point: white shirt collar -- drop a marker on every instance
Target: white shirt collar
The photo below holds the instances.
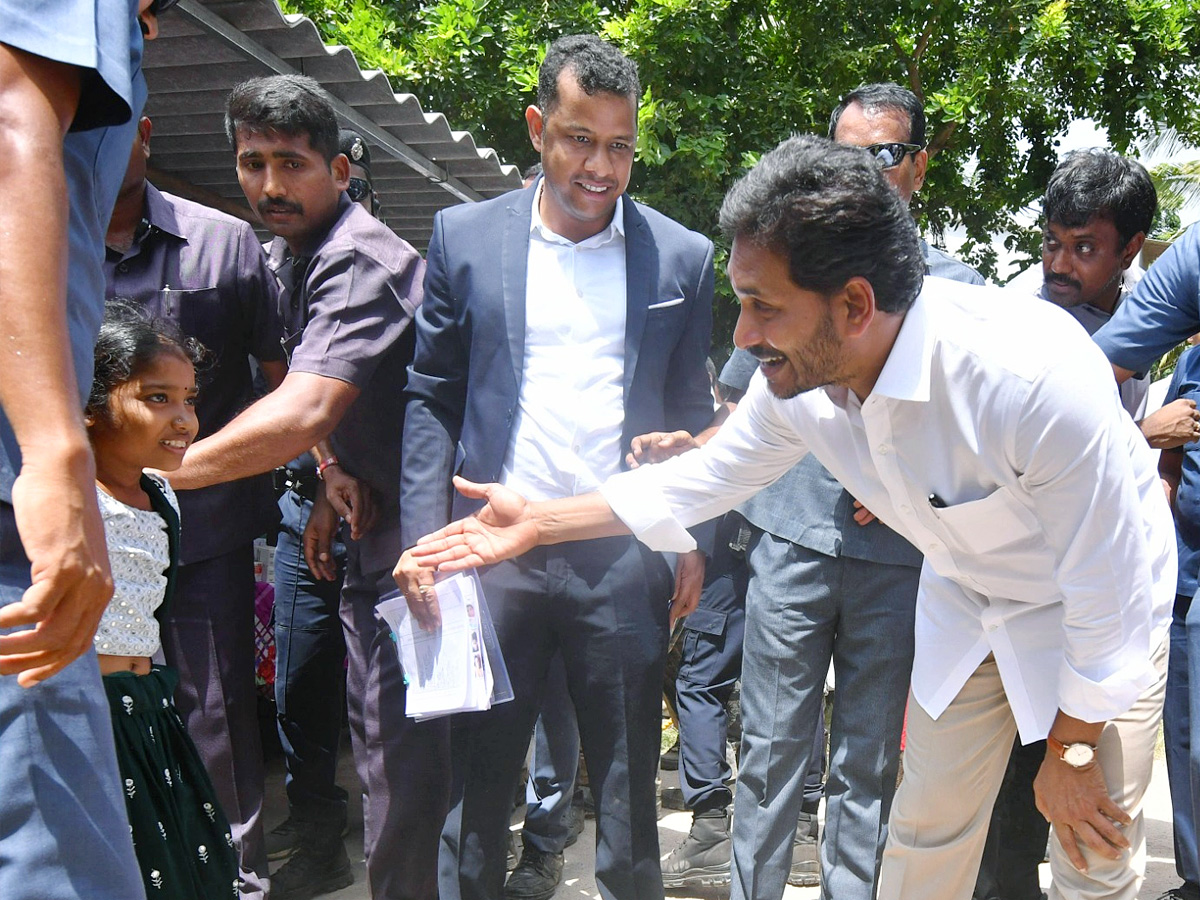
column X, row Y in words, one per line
column 538, row 228
column 905, row 375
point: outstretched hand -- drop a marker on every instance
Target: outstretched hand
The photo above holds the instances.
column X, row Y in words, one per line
column 502, row 529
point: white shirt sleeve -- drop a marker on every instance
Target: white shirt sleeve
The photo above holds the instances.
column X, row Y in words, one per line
column 754, row 446
column 1079, row 464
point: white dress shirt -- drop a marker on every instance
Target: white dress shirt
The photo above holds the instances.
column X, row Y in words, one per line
column 995, row 441
column 566, row 437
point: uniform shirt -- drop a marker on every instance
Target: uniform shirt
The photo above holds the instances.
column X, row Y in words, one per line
column 1162, row 311
column 1185, row 383
column 986, row 443
column 205, row 271
column 566, row 435
column 941, row 264
column 103, row 39
column 346, row 310
column 139, row 553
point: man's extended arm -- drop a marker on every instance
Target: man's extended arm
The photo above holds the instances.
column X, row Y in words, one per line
column 290, row 420
column 54, row 497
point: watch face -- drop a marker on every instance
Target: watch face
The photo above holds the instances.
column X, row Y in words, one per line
column 1078, row 755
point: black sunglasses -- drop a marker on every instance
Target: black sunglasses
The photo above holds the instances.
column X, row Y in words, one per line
column 891, row 154
column 359, row 189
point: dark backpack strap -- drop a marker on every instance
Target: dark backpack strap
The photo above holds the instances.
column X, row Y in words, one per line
column 162, row 506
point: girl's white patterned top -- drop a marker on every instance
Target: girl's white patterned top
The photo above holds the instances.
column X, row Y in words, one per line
column 139, row 554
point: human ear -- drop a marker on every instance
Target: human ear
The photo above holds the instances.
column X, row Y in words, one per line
column 535, row 120
column 340, row 167
column 1132, row 249
column 856, row 306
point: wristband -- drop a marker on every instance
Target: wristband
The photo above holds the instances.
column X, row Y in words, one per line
column 325, row 464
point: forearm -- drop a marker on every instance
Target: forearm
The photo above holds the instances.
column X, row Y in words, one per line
column 1069, row 730
column 38, row 388
column 579, row 518
column 290, row 420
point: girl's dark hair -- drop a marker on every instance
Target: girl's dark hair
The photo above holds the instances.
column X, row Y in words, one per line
column 128, row 342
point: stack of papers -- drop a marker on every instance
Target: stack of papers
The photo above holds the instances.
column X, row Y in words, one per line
column 458, row 667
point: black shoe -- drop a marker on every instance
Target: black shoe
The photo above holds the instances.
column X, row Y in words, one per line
column 282, row 840
column 574, row 824
column 703, row 859
column 313, row 870
column 536, row 876
column 672, row 798
column 1186, row 891
column 806, row 861
column 669, row 761
column 510, row 861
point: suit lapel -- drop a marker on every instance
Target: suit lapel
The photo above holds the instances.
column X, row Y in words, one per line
column 514, row 266
column 640, row 280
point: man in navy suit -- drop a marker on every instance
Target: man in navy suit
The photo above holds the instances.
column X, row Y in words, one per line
column 559, row 322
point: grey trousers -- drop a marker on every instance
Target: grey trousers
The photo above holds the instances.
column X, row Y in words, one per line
column 802, row 610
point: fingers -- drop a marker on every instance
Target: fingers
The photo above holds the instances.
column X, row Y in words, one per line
column 1066, row 837
column 682, row 606
column 318, row 553
column 471, row 489
column 424, row 607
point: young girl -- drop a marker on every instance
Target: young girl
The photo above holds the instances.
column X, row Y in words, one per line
column 141, row 415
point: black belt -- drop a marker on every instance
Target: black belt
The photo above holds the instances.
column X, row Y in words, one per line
column 306, row 484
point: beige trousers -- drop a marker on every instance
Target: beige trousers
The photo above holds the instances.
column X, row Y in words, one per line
column 953, row 767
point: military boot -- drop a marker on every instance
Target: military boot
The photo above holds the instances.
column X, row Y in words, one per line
column 806, row 860
column 318, row 865
column 703, row 857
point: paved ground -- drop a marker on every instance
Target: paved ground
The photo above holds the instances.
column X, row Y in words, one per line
column 578, row 881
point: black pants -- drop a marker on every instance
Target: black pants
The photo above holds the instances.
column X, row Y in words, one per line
column 603, row 603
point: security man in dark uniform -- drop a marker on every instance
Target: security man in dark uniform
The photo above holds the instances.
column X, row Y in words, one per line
column 351, row 288
column 206, row 272
column 310, row 649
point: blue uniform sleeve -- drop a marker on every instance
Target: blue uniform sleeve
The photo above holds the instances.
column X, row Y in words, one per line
column 1163, row 310
column 98, row 36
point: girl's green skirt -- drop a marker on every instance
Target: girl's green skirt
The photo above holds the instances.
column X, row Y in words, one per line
column 183, row 841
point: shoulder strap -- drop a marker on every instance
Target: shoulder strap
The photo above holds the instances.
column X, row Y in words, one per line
column 162, row 506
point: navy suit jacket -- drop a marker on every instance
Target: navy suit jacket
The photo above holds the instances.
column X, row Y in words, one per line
column 464, row 382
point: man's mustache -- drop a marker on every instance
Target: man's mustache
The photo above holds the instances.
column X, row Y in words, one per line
column 1064, row 281
column 277, row 206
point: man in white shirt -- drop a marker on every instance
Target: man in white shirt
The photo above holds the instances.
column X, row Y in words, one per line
column 970, row 423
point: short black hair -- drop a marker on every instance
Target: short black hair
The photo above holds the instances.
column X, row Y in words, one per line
column 532, row 172
column 597, row 65
column 128, row 342
column 1100, row 183
column 829, row 210
column 293, row 105
column 874, row 98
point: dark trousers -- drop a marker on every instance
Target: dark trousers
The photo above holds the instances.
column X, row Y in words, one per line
column 1180, row 709
column 710, row 665
column 603, row 604
column 209, row 639
column 1016, row 841
column 554, row 766
column 404, row 766
column 310, row 675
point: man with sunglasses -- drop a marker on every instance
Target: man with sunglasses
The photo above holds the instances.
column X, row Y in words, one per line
column 205, row 271
column 71, row 90
column 888, row 121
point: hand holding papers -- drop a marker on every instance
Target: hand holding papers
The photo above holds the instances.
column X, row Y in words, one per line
column 456, row 667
